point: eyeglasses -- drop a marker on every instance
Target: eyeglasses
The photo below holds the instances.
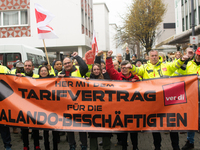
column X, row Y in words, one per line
column 123, row 68
column 67, row 63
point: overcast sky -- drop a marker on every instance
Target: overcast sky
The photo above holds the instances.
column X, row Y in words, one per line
column 116, row 8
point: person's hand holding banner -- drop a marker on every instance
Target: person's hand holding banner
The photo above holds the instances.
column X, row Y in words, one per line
column 61, row 75
column 19, row 75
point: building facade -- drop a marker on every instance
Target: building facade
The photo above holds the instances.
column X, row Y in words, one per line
column 166, row 29
column 183, row 20
column 184, row 14
column 73, row 24
column 101, row 25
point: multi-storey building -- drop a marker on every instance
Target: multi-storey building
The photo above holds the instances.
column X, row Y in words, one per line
column 73, row 24
column 183, row 15
column 183, row 22
column 166, row 29
column 101, row 25
column 113, row 29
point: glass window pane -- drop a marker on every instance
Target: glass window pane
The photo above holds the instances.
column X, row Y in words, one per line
column 39, row 59
column 34, row 59
column 10, row 18
column 24, row 17
column 1, row 58
column 82, row 17
column 12, row 58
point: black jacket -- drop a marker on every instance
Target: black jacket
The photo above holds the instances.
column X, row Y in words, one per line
column 82, row 67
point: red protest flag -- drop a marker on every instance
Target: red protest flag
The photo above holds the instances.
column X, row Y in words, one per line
column 94, row 44
column 43, row 18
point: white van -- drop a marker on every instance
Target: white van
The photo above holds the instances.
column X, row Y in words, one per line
column 9, row 54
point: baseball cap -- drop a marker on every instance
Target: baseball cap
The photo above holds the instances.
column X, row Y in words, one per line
column 19, row 65
column 134, row 55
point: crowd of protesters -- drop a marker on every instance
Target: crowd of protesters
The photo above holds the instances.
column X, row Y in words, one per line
column 155, row 65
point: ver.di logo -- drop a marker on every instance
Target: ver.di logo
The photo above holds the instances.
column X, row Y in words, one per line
column 5, row 90
column 174, row 93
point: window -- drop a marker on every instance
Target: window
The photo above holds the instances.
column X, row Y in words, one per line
column 82, row 17
column 24, row 17
column 190, row 20
column 13, row 18
column 89, row 24
column 1, row 58
column 86, row 23
column 199, row 14
column 40, row 59
column 183, row 24
column 186, row 23
column 169, row 25
column 35, row 59
column 181, row 2
column 11, row 59
column 10, row 18
column 195, row 17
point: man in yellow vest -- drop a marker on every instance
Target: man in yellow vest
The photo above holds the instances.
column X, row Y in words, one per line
column 182, row 69
column 157, row 69
column 75, row 71
column 4, row 130
column 192, row 67
column 72, row 70
column 28, row 71
column 4, row 69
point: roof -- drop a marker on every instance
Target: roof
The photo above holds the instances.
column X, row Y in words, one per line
column 102, row 4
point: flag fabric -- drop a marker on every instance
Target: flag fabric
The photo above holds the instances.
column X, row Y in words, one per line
column 43, row 18
column 46, row 33
column 94, row 44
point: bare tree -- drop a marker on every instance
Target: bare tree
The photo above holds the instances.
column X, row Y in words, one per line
column 141, row 22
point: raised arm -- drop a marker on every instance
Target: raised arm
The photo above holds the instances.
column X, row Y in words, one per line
column 98, row 57
column 114, row 74
column 82, row 65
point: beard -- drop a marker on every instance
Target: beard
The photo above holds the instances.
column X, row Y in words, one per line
column 28, row 71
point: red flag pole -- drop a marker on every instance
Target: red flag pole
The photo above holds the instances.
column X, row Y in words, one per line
column 46, row 52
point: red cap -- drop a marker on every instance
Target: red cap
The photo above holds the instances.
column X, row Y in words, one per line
column 198, row 51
